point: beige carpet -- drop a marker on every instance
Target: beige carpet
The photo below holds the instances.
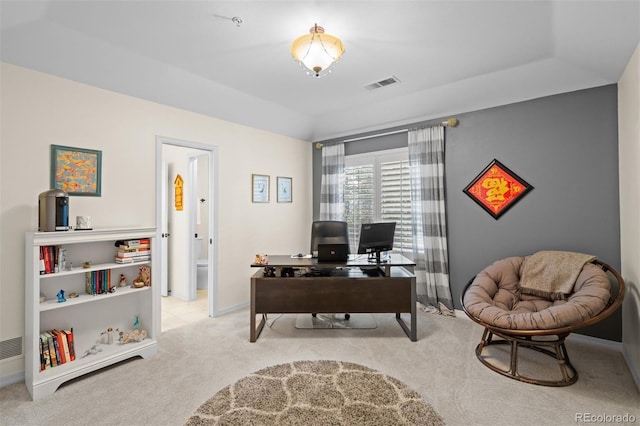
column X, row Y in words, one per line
column 316, row 393
column 195, row 361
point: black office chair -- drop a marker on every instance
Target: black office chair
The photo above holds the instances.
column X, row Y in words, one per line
column 329, row 232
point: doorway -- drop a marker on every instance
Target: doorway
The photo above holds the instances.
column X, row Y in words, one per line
column 186, row 178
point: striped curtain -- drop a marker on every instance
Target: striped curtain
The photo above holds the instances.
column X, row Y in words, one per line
column 332, row 186
column 426, row 165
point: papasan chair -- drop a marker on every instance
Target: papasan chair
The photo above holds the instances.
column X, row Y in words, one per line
column 535, row 302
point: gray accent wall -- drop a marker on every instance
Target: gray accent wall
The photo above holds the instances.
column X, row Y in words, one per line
column 566, row 147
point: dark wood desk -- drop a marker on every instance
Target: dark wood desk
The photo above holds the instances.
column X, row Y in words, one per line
column 390, row 289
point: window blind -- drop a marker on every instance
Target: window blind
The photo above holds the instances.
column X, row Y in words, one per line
column 395, row 201
column 377, row 189
column 359, row 200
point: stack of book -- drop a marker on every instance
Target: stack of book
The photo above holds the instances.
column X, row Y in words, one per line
column 134, row 251
column 56, row 348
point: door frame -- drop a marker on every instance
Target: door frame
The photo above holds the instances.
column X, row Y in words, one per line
column 212, row 237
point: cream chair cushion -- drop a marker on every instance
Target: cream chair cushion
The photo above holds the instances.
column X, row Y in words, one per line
column 494, row 298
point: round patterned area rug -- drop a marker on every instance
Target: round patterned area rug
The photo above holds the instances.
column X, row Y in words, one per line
column 316, row 393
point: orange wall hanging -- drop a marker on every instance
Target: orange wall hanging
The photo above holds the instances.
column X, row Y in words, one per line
column 496, row 189
column 178, row 188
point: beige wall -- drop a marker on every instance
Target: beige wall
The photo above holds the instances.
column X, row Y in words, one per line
column 629, row 157
column 38, row 110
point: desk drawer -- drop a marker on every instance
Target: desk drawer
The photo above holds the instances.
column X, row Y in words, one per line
column 332, row 294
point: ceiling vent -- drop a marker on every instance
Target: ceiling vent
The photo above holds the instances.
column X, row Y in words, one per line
column 382, row 83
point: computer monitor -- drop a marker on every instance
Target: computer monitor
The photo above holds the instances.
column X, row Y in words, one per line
column 376, row 238
column 328, row 232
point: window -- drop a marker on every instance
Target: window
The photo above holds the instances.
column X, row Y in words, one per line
column 377, row 189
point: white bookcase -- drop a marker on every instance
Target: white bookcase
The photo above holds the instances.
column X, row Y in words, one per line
column 88, row 315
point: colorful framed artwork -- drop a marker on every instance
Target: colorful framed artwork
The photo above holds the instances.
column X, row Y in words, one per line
column 260, row 188
column 284, row 189
column 76, row 171
column 496, row 189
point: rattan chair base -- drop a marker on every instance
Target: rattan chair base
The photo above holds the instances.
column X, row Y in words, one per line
column 559, row 353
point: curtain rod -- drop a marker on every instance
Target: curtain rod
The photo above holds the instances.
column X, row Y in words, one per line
column 451, row 122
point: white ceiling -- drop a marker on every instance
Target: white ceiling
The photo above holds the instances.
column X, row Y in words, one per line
column 450, row 56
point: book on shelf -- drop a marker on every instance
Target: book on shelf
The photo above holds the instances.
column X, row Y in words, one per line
column 63, row 345
column 132, row 259
column 72, row 349
column 47, row 254
column 47, row 260
column 45, row 356
column 141, row 253
column 53, row 357
column 59, row 347
column 56, row 348
column 133, row 252
column 98, row 282
column 52, row 259
column 141, row 243
column 42, row 265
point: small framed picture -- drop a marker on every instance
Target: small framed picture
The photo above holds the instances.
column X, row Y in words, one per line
column 284, row 189
column 77, row 171
column 259, row 188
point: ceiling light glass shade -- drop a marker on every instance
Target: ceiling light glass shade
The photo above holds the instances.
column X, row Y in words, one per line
column 317, row 51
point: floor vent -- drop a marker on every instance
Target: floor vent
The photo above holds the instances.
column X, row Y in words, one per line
column 11, row 347
column 382, row 83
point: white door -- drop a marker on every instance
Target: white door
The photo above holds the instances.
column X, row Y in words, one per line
column 192, row 199
column 164, row 230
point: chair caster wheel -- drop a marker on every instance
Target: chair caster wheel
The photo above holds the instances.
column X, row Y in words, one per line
column 347, row 316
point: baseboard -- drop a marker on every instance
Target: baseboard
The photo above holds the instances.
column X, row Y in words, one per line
column 635, row 374
column 11, row 379
column 596, row 341
column 460, row 314
column 231, row 309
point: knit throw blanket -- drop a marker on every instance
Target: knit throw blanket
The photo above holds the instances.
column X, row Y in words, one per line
column 552, row 274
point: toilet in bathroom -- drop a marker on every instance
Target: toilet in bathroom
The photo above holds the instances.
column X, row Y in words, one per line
column 202, row 266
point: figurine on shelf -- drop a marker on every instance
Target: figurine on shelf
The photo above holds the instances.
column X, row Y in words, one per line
column 61, row 297
column 145, row 273
column 123, row 281
column 131, row 336
column 92, row 350
column 143, row 279
column 107, row 335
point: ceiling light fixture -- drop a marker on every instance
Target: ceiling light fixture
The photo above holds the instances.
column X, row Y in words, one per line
column 317, row 51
